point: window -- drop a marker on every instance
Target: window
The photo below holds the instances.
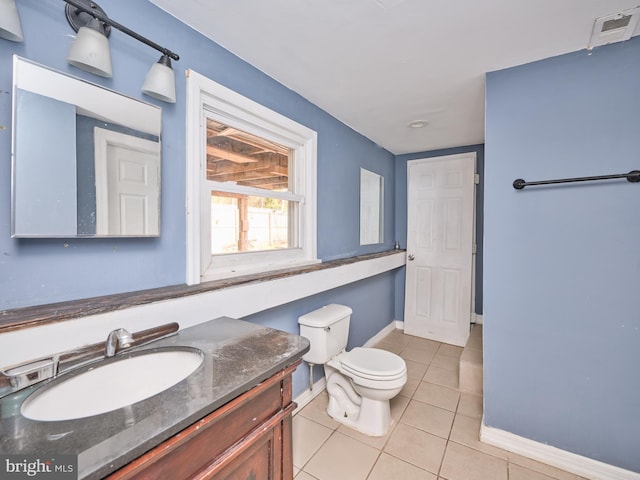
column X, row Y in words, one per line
column 251, row 176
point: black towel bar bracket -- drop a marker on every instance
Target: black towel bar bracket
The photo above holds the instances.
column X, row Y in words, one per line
column 633, row 176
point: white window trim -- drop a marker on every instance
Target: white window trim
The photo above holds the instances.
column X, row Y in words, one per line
column 203, row 93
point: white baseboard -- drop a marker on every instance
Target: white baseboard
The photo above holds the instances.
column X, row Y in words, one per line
column 571, row 462
column 477, row 318
column 383, row 333
column 305, row 397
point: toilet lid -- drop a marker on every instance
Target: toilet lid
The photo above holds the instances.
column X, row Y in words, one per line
column 373, row 363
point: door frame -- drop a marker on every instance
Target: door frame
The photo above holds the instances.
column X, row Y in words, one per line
column 474, row 255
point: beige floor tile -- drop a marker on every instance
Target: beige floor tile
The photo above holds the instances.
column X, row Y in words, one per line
column 304, row 476
column 398, row 406
column 388, row 468
column 464, row 463
column 389, row 347
column 451, row 350
column 475, row 342
column 446, row 361
column 423, row 343
column 316, row 410
column 516, row 472
column 376, row 442
column 471, row 377
column 466, row 431
column 397, row 338
column 543, row 468
column 416, row 370
column 308, row 438
column 429, row 418
column 470, row 405
column 342, row 457
column 417, row 447
column 410, row 387
column 418, row 354
column 437, row 395
column 472, row 355
column 440, row 376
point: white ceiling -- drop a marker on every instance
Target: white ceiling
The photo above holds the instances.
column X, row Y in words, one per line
column 376, row 65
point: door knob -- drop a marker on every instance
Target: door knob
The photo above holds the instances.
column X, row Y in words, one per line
column 411, row 257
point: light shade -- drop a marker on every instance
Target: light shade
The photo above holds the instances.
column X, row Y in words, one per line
column 161, row 82
column 90, row 50
column 10, row 28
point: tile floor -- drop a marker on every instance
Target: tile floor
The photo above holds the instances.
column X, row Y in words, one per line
column 434, row 435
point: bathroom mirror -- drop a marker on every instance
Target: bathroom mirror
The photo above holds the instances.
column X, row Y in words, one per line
column 371, row 207
column 85, row 159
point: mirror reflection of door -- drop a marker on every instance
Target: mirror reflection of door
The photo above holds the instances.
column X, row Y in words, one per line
column 127, row 184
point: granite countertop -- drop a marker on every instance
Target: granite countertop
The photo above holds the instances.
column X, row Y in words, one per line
column 237, row 356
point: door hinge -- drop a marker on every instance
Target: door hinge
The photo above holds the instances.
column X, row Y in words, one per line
column 476, row 179
column 475, row 248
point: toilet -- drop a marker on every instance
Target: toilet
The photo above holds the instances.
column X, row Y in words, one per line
column 360, row 382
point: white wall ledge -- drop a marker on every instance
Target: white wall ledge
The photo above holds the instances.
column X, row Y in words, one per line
column 237, row 301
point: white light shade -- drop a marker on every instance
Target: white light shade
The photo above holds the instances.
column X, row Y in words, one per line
column 90, row 51
column 10, row 28
column 161, row 82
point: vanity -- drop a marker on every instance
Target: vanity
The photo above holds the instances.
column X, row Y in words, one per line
column 230, row 418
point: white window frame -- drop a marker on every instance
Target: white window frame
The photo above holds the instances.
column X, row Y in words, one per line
column 206, row 98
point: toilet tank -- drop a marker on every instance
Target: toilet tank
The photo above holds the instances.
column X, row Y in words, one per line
column 327, row 330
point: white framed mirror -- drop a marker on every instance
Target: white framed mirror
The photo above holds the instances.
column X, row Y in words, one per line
column 85, row 159
column 371, row 207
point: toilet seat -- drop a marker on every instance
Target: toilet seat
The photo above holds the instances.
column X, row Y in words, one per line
column 373, row 364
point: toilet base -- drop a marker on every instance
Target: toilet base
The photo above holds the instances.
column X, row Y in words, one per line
column 366, row 415
column 371, row 417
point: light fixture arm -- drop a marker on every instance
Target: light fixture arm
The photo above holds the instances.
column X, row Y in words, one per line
column 106, row 20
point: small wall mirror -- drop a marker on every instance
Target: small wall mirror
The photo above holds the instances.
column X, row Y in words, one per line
column 371, row 207
column 85, row 159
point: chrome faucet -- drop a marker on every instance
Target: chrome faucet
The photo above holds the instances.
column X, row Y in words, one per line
column 117, row 340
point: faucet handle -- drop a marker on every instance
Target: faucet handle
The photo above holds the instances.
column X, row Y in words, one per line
column 125, row 337
column 117, row 339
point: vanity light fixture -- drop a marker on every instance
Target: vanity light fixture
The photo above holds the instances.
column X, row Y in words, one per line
column 161, row 82
column 10, row 28
column 90, row 50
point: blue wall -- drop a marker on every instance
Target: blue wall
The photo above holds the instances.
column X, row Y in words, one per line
column 562, row 263
column 39, row 271
column 401, row 216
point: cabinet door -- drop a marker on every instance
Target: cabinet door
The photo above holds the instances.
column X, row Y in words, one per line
column 261, row 455
column 247, row 439
column 260, row 460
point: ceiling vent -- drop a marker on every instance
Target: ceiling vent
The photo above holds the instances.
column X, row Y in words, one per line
column 614, row 28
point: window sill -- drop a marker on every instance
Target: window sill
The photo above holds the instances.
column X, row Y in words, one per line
column 259, row 270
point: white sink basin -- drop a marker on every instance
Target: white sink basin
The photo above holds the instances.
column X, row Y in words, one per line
column 111, row 384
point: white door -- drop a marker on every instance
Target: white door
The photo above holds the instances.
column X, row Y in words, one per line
column 127, row 184
column 440, row 231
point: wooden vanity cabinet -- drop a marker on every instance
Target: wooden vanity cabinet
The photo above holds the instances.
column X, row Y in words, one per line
column 249, row 438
